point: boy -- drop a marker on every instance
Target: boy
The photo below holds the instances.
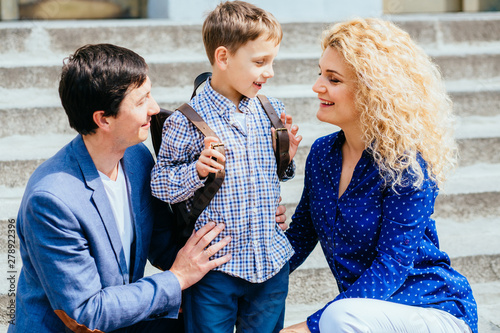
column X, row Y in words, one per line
column 241, row 41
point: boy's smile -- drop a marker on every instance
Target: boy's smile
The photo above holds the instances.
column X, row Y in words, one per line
column 247, row 70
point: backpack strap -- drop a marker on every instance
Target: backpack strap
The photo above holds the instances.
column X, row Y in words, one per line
column 202, row 126
column 196, row 120
column 202, row 197
column 281, row 141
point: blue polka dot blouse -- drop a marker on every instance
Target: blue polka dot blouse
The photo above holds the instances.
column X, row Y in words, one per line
column 379, row 243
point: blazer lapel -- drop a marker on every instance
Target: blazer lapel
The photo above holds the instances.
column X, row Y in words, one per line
column 101, row 201
column 129, row 164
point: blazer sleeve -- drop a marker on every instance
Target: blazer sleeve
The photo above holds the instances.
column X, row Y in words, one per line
column 62, row 259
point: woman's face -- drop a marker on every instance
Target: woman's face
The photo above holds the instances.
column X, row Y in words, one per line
column 336, row 87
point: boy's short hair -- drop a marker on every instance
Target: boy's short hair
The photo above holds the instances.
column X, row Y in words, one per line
column 97, row 78
column 234, row 23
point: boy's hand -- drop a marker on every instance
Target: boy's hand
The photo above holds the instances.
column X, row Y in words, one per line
column 206, row 163
column 292, row 134
column 193, row 260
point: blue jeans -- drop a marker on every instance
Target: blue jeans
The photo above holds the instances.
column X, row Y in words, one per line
column 219, row 302
column 162, row 325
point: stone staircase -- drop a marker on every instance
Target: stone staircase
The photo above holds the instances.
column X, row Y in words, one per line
column 466, row 47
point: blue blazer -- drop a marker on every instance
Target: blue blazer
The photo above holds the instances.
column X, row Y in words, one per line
column 74, row 271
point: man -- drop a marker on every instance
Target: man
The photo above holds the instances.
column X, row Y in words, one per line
column 86, row 220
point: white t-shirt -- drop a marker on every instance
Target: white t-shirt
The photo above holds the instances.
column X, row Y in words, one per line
column 120, row 204
column 242, row 119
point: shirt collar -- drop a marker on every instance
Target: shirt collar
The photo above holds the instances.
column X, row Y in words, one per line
column 339, row 141
column 223, row 105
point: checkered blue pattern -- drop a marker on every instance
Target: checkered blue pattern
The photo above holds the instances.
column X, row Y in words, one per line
column 248, row 198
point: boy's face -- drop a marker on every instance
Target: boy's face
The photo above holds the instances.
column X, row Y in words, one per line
column 249, row 68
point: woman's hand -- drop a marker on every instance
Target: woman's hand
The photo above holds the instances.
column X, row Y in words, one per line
column 281, row 217
column 297, row 328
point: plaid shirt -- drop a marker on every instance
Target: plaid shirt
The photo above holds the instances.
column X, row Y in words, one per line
column 248, row 198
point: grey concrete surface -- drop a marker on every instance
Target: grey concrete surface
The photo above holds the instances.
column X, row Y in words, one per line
column 465, row 46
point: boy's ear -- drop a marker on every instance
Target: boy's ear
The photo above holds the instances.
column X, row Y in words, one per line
column 100, row 120
column 221, row 57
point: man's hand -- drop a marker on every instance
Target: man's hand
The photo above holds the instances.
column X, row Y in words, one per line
column 292, row 135
column 193, row 260
column 206, row 164
column 297, row 328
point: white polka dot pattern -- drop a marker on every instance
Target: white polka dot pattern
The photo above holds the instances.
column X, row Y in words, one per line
column 379, row 243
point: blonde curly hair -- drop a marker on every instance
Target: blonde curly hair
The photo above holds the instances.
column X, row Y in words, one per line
column 403, row 105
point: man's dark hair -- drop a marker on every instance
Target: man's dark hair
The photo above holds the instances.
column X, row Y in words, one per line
column 97, row 78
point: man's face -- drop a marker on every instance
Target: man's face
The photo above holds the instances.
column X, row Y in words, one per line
column 132, row 123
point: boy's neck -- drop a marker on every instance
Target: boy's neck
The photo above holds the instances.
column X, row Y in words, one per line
column 218, row 83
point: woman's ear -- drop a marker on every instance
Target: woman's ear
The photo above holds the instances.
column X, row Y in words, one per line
column 221, row 57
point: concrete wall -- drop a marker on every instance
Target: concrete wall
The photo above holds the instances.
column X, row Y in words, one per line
column 284, row 10
column 421, row 6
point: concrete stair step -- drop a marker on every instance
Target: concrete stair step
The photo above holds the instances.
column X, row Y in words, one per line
column 465, row 46
column 10, row 199
column 290, row 68
column 441, row 30
column 63, row 37
column 307, row 295
column 473, row 135
column 35, row 111
column 478, row 178
column 472, row 192
column 21, row 154
column 486, row 295
column 312, row 285
column 468, row 246
column 470, row 98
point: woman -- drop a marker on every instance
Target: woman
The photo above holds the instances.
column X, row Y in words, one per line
column 370, row 188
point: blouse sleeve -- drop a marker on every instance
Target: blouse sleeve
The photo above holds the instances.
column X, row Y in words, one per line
column 301, row 233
